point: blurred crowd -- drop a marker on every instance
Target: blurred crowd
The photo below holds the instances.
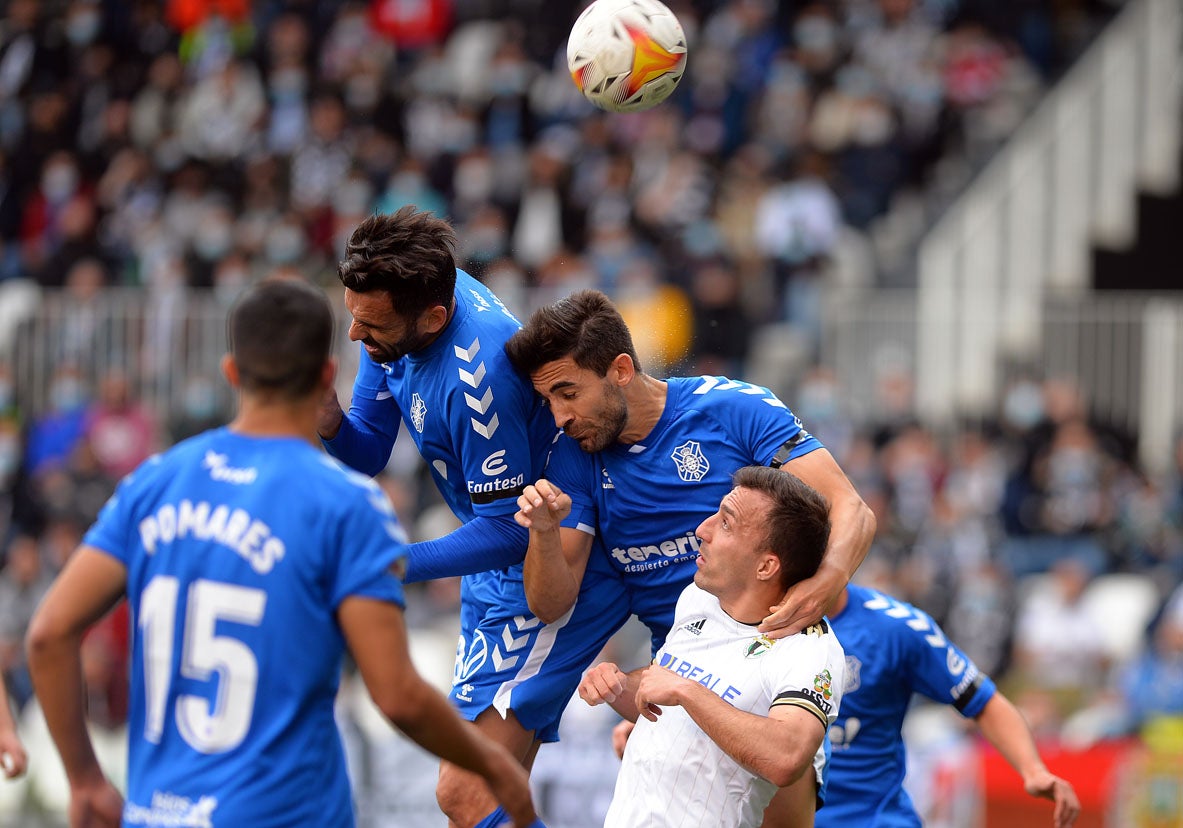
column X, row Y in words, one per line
column 199, row 145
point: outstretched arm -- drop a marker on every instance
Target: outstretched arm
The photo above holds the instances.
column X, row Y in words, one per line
column 852, row 527
column 484, row 543
column 556, row 556
column 1005, row 728
column 90, row 584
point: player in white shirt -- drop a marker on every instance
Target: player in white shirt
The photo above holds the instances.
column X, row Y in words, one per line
column 726, row 715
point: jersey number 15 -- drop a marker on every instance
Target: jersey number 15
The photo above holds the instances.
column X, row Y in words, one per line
column 207, row 728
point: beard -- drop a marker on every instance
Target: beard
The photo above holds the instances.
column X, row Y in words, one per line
column 393, row 352
column 611, row 418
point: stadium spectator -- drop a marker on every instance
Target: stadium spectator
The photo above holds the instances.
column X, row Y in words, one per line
column 121, row 430
column 1152, row 686
column 280, row 339
column 54, row 434
column 23, row 581
column 1055, row 626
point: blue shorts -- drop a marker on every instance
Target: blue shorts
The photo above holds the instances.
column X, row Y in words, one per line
column 509, row 660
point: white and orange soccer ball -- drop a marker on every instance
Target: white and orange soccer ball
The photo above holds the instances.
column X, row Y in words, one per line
column 626, row 55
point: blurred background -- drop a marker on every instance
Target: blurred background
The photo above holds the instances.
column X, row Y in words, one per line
column 943, row 231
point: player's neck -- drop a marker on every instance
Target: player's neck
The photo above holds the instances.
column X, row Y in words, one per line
column 751, row 606
column 646, row 401
column 276, row 418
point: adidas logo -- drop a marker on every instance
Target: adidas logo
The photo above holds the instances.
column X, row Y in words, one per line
column 695, row 626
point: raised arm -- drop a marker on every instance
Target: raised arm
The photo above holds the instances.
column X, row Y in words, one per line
column 90, row 584
column 1005, row 728
column 556, row 556
column 852, row 527
column 778, row 747
column 376, row 635
column 363, row 437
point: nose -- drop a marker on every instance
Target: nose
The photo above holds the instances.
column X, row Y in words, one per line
column 704, row 529
column 356, row 334
column 562, row 417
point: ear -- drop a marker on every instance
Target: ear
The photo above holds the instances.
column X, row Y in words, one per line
column 434, row 319
column 768, row 567
column 328, row 373
column 230, row 370
column 622, row 370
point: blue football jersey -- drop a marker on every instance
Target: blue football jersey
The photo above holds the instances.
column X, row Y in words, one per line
column 478, row 425
column 238, row 552
column 644, row 502
column 892, row 651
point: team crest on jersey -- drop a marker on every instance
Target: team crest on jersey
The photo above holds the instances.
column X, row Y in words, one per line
column 822, row 684
column 695, row 627
column 853, row 674
column 606, row 480
column 691, row 462
column 418, row 412
column 759, row 647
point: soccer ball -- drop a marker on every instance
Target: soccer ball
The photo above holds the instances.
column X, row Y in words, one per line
column 626, row 55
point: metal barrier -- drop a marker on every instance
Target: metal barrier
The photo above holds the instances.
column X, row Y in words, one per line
column 1024, row 229
column 163, row 343
column 1124, row 352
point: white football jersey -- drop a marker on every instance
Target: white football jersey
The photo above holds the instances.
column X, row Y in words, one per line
column 673, row 773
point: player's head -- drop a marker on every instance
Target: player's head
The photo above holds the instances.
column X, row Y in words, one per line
column 585, row 327
column 579, row 356
column 771, row 527
column 399, row 274
column 281, row 335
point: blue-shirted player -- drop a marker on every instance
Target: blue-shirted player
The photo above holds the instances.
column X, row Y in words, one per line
column 434, row 362
column 645, row 461
column 894, row 650
column 251, row 562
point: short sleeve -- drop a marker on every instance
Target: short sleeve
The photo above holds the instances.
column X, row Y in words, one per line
column 941, row 671
column 372, row 550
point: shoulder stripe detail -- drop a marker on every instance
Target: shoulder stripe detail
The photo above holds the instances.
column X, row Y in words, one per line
column 916, row 620
column 798, row 698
